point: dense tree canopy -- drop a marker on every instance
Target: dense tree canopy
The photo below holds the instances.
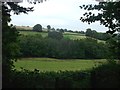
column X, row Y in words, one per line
column 89, row 32
column 10, row 48
column 37, row 28
column 109, row 16
column 48, row 27
column 9, row 33
column 38, row 46
column 97, row 35
column 55, row 35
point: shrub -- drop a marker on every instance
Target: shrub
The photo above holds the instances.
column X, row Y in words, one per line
column 61, row 79
column 106, row 76
column 37, row 27
column 103, row 76
column 55, row 35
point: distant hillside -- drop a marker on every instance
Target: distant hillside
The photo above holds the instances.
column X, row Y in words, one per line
column 70, row 35
column 24, row 27
column 27, row 28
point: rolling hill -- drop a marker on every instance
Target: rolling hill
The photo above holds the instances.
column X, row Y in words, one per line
column 74, row 36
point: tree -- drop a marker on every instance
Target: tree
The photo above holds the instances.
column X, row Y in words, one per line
column 89, row 32
column 48, row 27
column 114, row 47
column 53, row 29
column 37, row 28
column 65, row 30
column 57, row 29
column 61, row 30
column 109, row 16
column 10, row 47
column 55, row 35
column 94, row 34
column 82, row 32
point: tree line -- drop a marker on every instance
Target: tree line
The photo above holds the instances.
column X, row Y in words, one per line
column 97, row 35
column 89, row 32
column 37, row 46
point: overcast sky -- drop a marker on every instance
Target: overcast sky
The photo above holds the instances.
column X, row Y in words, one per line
column 58, row 14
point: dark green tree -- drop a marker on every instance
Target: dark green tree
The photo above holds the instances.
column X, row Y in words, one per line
column 10, row 47
column 37, row 28
column 48, row 27
column 65, row 30
column 55, row 35
column 89, row 32
column 53, row 29
column 81, row 32
column 114, row 47
column 61, row 30
column 94, row 34
column 109, row 16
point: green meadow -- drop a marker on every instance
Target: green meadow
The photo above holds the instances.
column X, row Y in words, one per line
column 51, row 64
column 69, row 35
column 43, row 34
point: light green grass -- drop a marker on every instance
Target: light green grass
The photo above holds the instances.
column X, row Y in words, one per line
column 69, row 35
column 50, row 64
column 24, row 27
column 44, row 34
column 78, row 37
column 74, row 37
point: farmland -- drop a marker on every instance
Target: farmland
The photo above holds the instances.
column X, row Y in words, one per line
column 68, row 35
column 50, row 64
column 43, row 34
column 58, row 57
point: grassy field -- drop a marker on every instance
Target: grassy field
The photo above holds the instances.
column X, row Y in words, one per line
column 70, row 35
column 50, row 64
column 74, row 37
column 24, row 27
column 44, row 34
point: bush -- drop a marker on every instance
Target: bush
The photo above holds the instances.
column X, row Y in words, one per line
column 61, row 79
column 37, row 28
column 55, row 35
column 106, row 76
column 103, row 76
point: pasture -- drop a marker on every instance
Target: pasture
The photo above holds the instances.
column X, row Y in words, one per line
column 69, row 35
column 50, row 64
column 24, row 27
column 43, row 34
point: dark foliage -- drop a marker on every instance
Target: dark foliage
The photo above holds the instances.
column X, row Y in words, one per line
column 10, row 48
column 103, row 76
column 114, row 47
column 37, row 28
column 61, row 79
column 97, row 35
column 36, row 46
column 48, row 27
column 55, row 35
column 106, row 76
column 109, row 15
